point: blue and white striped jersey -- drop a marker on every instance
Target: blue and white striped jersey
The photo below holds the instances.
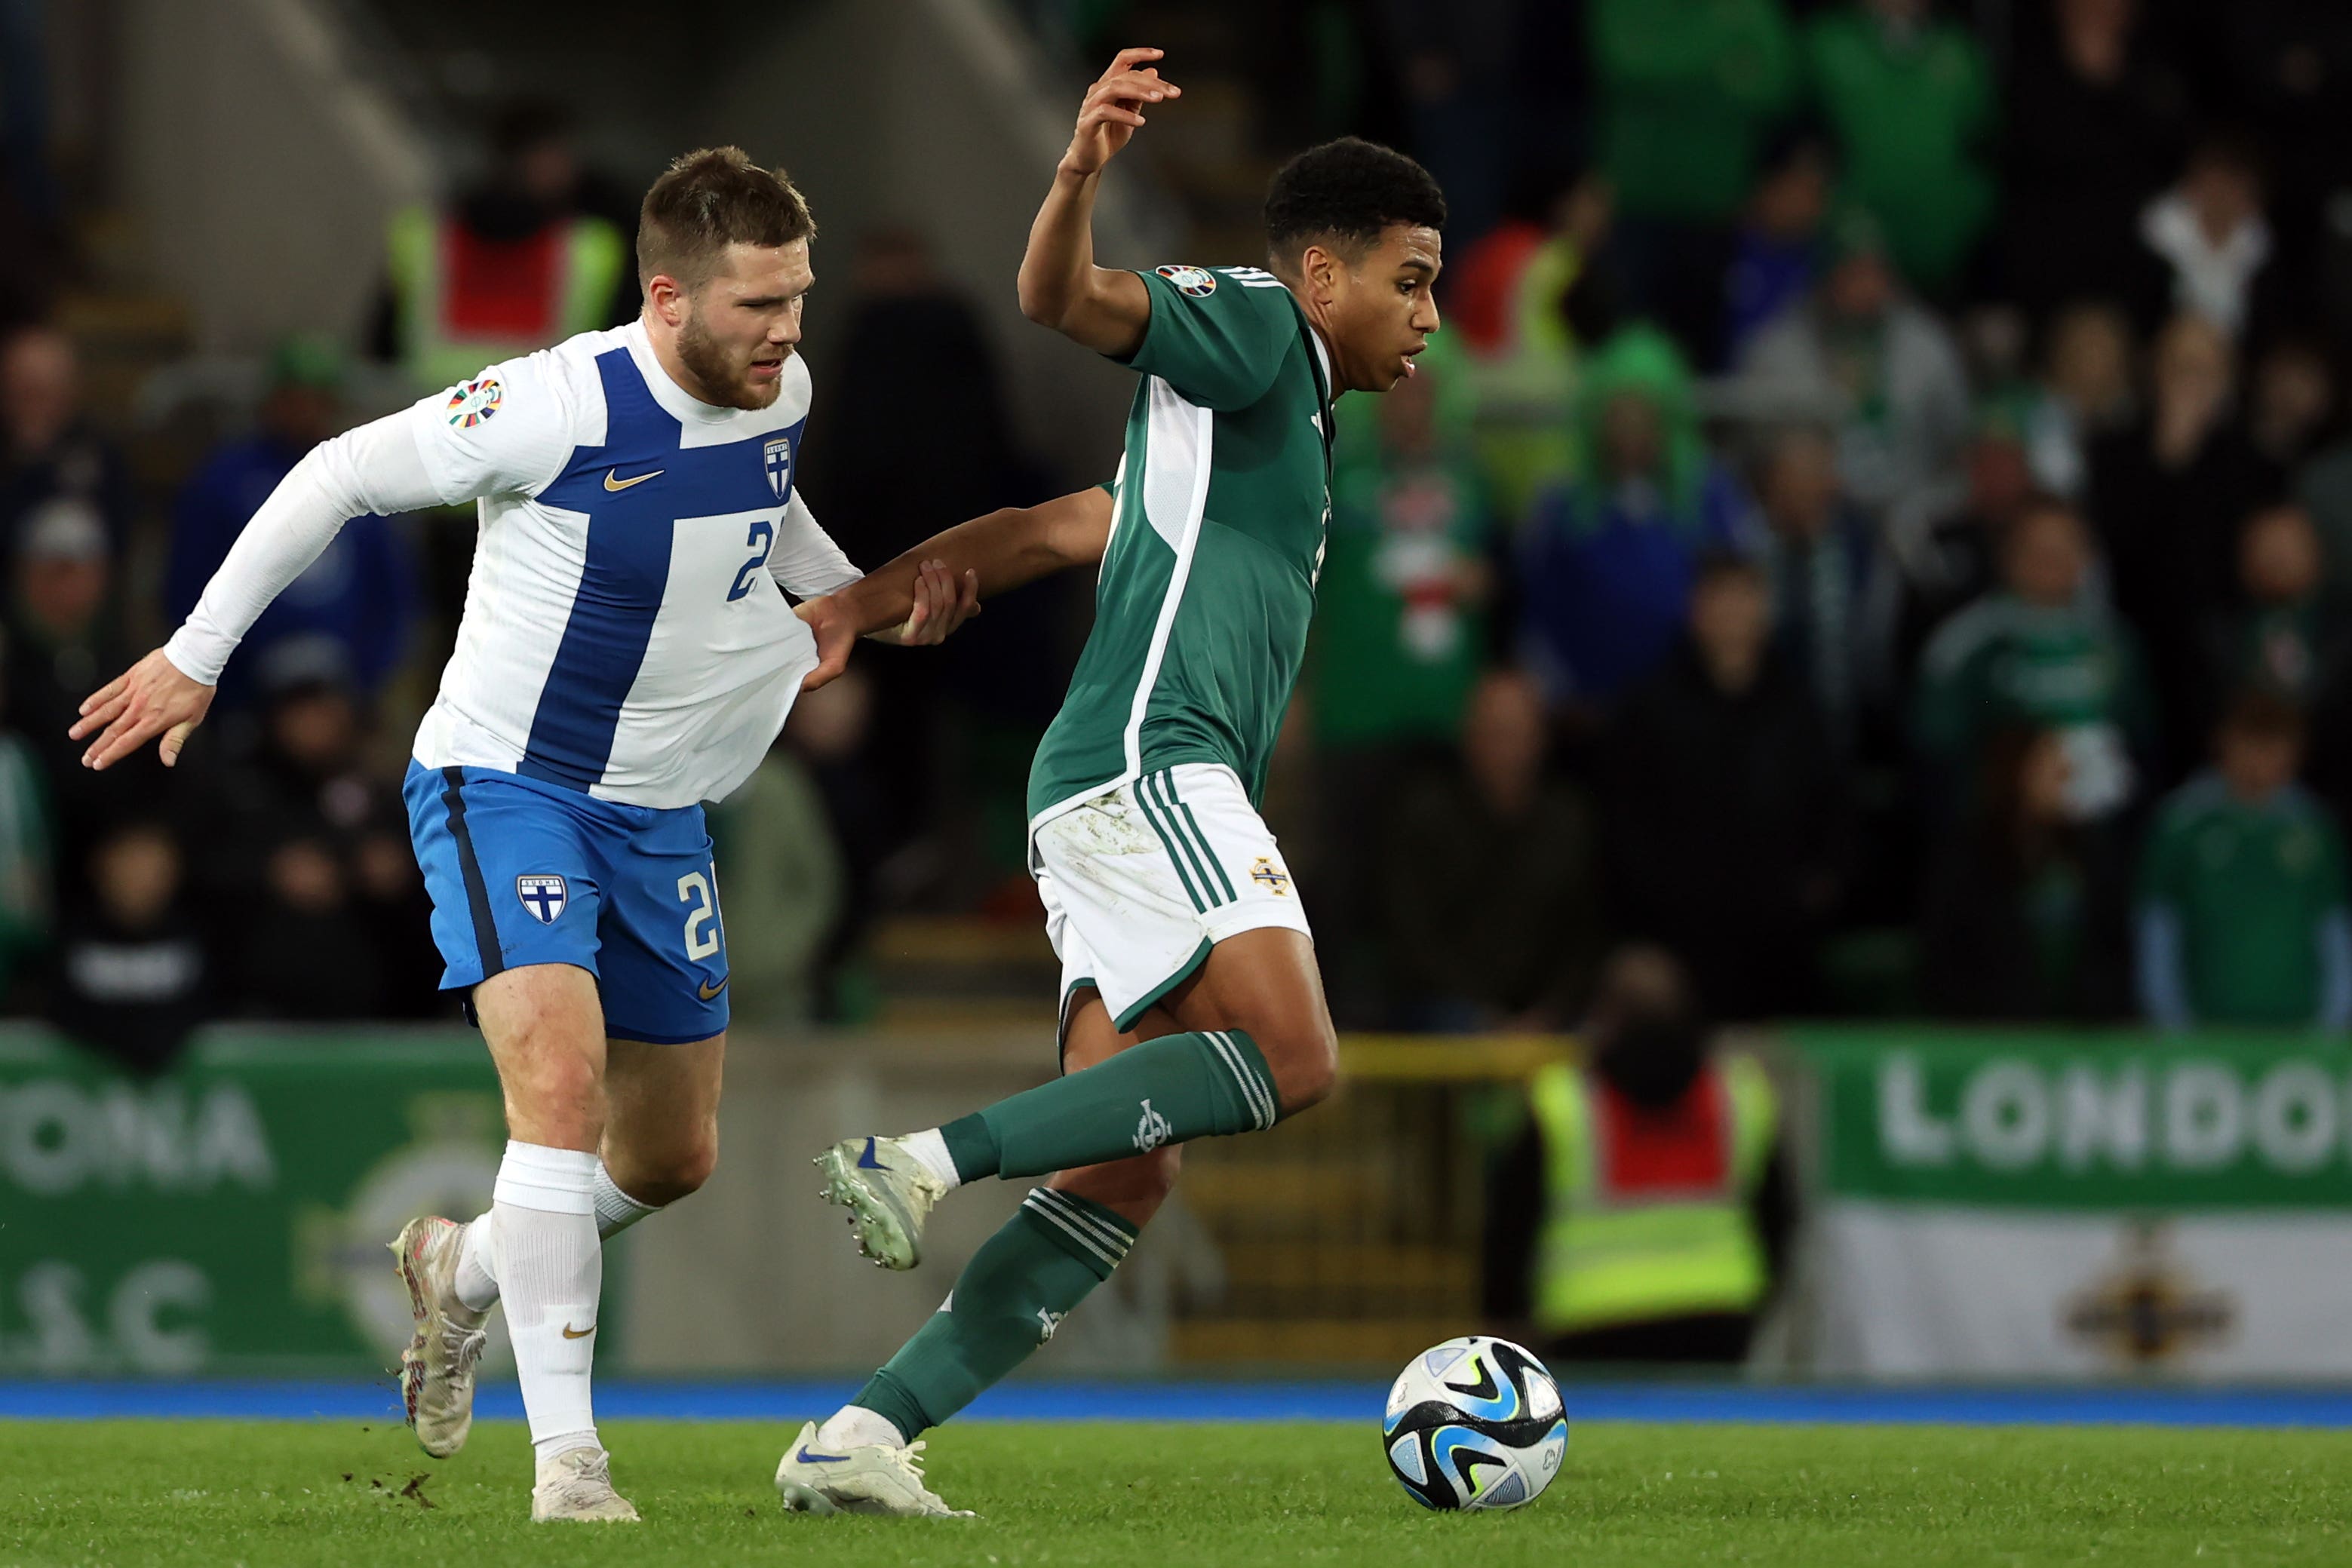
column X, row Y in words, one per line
column 626, row 631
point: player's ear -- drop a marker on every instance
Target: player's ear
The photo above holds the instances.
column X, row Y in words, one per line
column 1321, row 269
column 667, row 296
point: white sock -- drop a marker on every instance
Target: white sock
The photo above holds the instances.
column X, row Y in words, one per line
column 477, row 1280
column 856, row 1426
column 551, row 1272
column 930, row 1152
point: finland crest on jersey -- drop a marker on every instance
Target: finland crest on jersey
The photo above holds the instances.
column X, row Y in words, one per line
column 626, row 632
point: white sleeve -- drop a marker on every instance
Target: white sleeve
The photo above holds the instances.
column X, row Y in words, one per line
column 805, row 562
column 507, row 430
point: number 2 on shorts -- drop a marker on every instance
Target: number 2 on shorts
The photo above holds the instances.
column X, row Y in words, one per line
column 702, row 927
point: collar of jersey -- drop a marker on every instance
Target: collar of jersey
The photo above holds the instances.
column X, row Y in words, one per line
column 674, row 400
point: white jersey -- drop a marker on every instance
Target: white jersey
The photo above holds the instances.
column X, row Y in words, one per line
column 626, row 631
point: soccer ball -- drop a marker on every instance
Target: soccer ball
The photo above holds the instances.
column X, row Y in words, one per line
column 1474, row 1423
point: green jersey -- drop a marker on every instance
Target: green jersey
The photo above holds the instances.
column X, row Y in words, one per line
column 2251, row 885
column 1208, row 583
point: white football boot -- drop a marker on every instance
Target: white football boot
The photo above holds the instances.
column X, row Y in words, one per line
column 436, row 1370
column 886, row 1191
column 873, row 1477
column 578, row 1484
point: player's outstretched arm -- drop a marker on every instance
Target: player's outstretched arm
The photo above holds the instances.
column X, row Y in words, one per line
column 378, row 467
column 1103, row 308
column 926, row 594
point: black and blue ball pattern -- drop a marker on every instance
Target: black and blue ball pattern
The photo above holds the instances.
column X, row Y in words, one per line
column 1474, row 1423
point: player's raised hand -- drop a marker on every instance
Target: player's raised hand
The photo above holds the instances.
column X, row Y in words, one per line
column 151, row 698
column 1114, row 108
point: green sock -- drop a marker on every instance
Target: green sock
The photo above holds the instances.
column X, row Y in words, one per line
column 1166, row 1091
column 1010, row 1298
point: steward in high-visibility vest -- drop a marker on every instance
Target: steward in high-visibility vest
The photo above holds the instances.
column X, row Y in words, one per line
column 1647, row 1212
column 462, row 300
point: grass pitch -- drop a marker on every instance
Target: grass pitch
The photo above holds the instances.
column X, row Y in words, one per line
column 328, row 1493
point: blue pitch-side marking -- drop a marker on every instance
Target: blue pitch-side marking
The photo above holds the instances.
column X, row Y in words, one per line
column 782, row 1402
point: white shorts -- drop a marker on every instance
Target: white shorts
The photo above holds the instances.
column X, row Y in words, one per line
column 1142, row 881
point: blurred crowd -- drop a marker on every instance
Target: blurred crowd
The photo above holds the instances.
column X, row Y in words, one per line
column 1877, row 525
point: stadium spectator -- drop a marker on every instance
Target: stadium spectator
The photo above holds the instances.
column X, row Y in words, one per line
column 1724, row 807
column 1606, row 564
column 131, row 975
column 49, row 450
column 828, row 731
column 1942, row 562
column 2283, row 636
column 1821, row 559
column 2283, row 70
column 1685, row 94
column 1522, row 301
column 362, row 592
column 61, row 626
column 1911, row 98
column 2243, row 914
column 1862, row 351
column 2096, row 120
column 1489, row 879
column 784, row 892
column 519, row 261
column 2085, row 392
column 2324, row 488
column 293, row 857
column 1777, row 251
column 908, row 326
column 2041, row 651
column 2293, row 408
column 1645, row 1213
column 1400, row 634
column 27, row 861
column 2167, row 495
column 2217, row 253
column 2024, row 917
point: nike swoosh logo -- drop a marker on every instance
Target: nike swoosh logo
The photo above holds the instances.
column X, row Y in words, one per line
column 804, row 1457
column 570, row 1333
column 707, row 990
column 612, row 483
column 866, row 1162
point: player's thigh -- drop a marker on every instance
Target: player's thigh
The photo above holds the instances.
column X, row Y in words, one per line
column 661, row 1119
column 545, row 1027
column 1265, row 983
column 663, row 939
column 1132, row 1188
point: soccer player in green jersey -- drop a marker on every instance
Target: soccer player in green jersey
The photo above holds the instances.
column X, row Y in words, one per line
column 1191, row 1001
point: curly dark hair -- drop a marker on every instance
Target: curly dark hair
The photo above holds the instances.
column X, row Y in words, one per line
column 1348, row 192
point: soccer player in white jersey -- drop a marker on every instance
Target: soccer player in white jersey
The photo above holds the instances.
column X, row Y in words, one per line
column 626, row 654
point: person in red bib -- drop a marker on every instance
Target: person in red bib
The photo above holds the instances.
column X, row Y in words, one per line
column 1644, row 1213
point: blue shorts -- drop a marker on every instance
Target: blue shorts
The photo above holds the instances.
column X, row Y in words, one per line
column 527, row 872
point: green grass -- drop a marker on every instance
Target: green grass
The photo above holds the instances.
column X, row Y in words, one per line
column 271, row 1494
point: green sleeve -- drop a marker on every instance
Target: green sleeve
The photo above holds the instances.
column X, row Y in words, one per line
column 1217, row 337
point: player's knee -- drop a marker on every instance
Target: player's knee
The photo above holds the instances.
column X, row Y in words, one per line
column 678, row 1173
column 557, row 1092
column 1305, row 1063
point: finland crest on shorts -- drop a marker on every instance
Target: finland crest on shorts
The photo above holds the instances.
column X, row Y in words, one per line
column 544, row 896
